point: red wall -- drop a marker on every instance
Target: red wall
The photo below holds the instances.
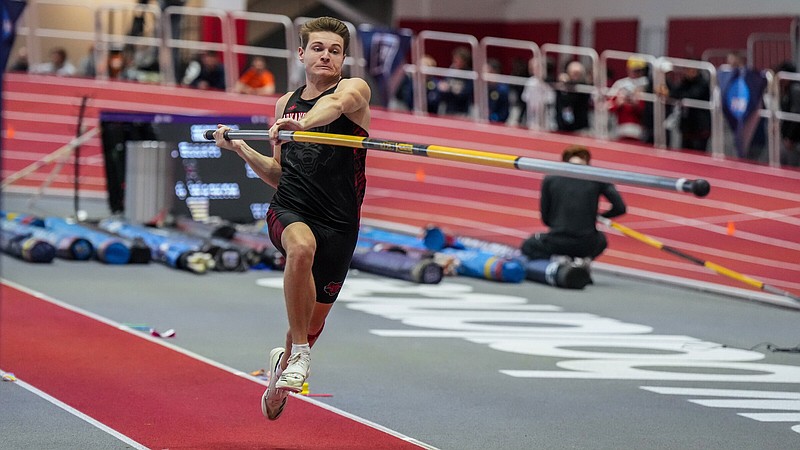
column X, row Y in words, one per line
column 689, row 38
column 622, row 35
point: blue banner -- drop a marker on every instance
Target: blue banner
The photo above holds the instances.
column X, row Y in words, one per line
column 10, row 10
column 742, row 94
column 385, row 51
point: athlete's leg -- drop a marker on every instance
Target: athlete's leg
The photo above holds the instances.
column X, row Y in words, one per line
column 316, row 324
column 299, row 291
column 298, row 282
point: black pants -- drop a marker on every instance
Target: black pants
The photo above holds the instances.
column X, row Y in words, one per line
column 545, row 245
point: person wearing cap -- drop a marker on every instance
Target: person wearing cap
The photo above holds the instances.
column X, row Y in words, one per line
column 569, row 207
column 625, row 103
column 634, row 81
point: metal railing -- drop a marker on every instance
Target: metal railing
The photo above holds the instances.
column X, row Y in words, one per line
column 107, row 40
column 775, row 141
column 421, row 72
column 489, row 77
column 767, row 50
column 32, row 29
column 224, row 47
column 286, row 53
column 163, row 37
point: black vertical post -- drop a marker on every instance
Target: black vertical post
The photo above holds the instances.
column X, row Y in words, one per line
column 77, row 155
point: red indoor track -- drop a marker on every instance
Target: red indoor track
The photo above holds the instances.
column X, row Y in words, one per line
column 750, row 223
column 153, row 393
column 163, row 397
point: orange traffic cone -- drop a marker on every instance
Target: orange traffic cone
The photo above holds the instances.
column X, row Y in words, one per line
column 420, row 175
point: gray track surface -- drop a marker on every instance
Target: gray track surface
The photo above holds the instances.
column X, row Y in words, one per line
column 448, row 391
column 439, row 387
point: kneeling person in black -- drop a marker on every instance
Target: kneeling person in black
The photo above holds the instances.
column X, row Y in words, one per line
column 569, row 207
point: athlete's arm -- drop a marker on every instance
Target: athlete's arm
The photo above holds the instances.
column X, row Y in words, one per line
column 350, row 98
column 268, row 168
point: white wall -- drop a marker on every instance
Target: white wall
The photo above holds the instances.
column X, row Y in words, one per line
column 652, row 14
column 227, row 5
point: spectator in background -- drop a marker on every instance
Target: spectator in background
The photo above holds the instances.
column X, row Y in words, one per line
column 636, row 79
column 519, row 68
column 572, row 106
column 499, row 104
column 648, row 125
column 539, row 98
column 116, row 64
column 20, row 63
column 693, row 123
column 405, row 92
column 86, row 66
column 122, row 64
column 206, row 72
column 625, row 101
column 628, row 109
column 457, row 93
column 176, row 30
column 58, row 65
column 790, row 130
column 257, row 79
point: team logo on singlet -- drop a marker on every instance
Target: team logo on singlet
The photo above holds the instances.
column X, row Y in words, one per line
column 333, row 288
column 307, row 157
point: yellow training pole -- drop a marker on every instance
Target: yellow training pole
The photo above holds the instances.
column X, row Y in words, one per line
column 709, row 265
column 698, row 187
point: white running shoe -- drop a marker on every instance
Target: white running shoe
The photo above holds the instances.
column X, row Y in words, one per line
column 273, row 400
column 296, row 372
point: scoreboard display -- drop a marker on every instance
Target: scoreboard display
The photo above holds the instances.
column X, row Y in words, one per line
column 200, row 173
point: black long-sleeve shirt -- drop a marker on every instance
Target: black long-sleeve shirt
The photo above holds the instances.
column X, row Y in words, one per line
column 569, row 206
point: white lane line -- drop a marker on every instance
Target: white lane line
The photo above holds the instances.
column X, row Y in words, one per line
column 97, row 424
column 208, row 361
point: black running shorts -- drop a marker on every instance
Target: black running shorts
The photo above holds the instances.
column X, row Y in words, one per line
column 332, row 258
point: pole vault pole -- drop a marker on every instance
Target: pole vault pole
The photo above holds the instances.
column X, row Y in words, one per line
column 698, row 187
column 707, row 264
